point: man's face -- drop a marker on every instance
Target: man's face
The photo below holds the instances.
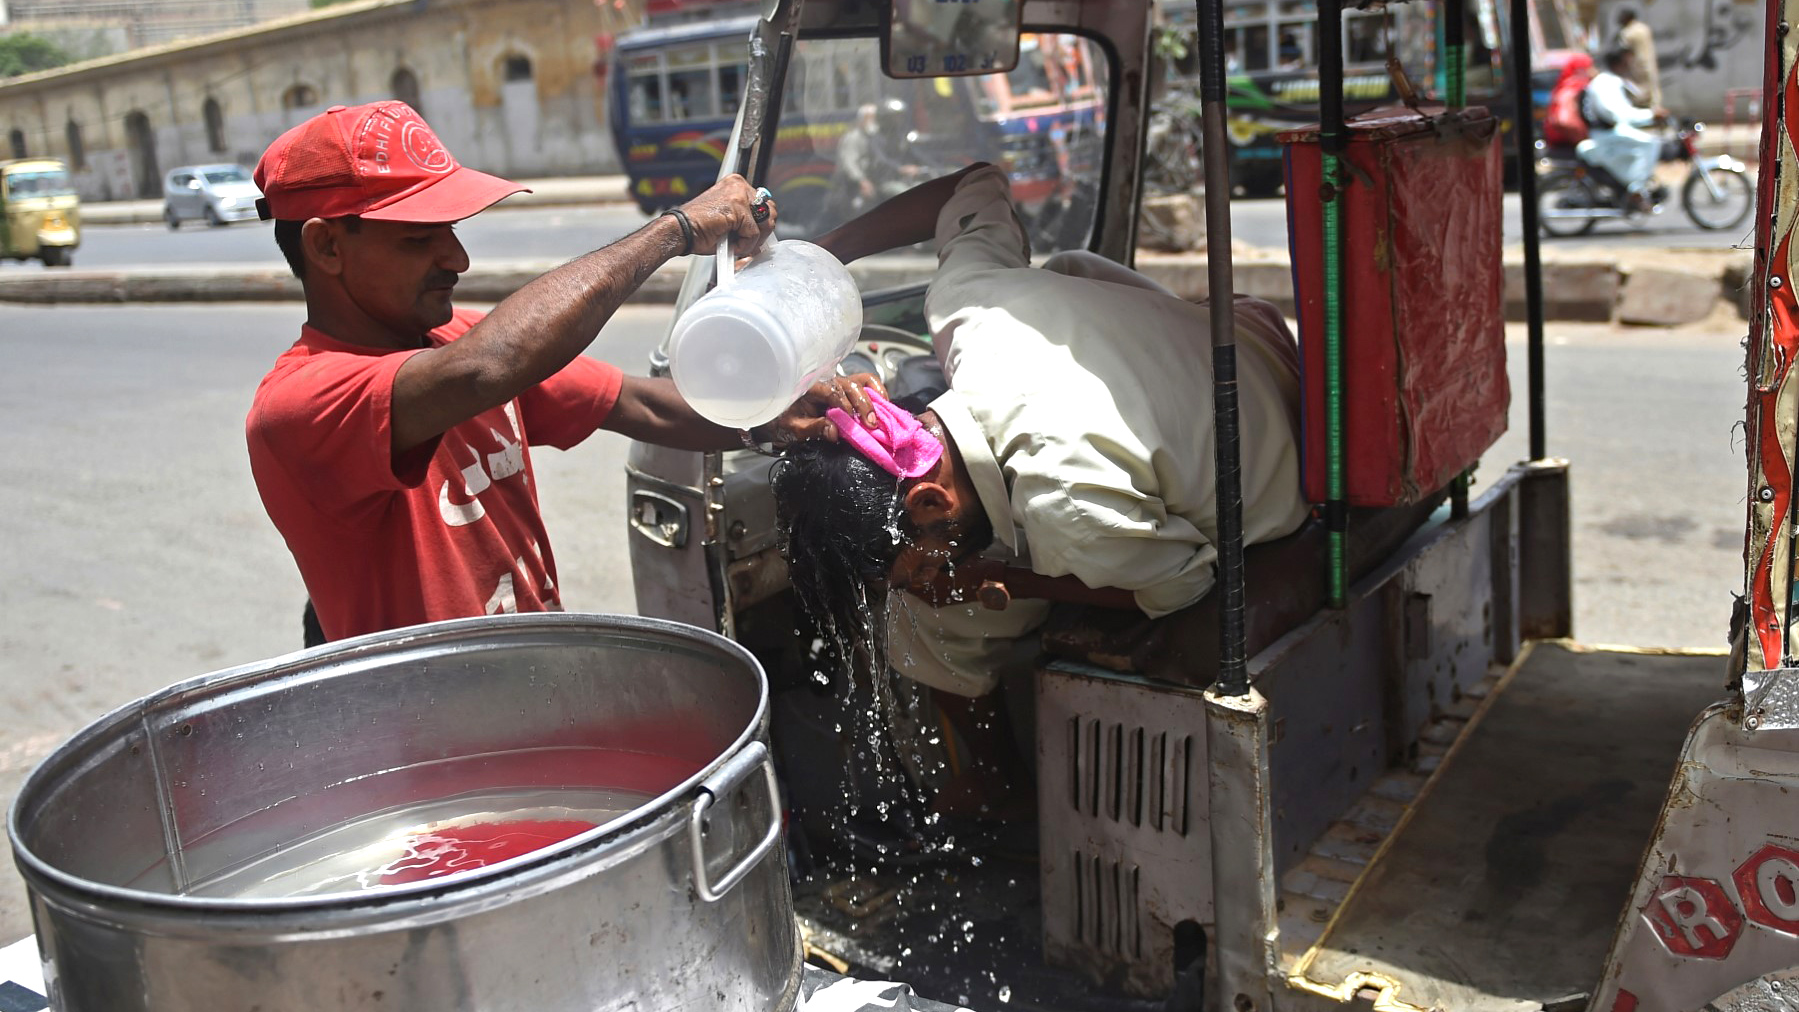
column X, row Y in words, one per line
column 927, row 565
column 402, row 274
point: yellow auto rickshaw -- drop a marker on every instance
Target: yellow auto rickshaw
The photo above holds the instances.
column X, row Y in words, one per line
column 40, row 214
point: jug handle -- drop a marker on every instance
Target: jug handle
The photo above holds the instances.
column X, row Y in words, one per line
column 727, row 266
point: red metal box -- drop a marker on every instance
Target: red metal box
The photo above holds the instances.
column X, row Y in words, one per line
column 1424, row 383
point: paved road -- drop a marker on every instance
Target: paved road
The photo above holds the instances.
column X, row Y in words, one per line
column 138, row 552
column 561, row 232
column 537, row 233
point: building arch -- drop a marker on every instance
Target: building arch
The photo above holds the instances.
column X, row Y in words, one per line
column 404, row 85
column 215, row 125
column 77, row 146
column 16, row 140
column 142, row 141
column 299, row 96
column 515, row 67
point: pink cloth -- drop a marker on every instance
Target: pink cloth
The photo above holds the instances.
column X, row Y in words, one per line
column 896, row 442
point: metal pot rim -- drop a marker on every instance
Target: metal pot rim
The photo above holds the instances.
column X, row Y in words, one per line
column 588, row 847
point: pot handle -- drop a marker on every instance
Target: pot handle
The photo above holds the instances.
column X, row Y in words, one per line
column 728, row 778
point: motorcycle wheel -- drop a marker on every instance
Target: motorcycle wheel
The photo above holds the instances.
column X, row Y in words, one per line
column 1734, row 200
column 1565, row 192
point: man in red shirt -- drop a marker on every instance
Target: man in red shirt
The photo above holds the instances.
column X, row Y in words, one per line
column 391, row 443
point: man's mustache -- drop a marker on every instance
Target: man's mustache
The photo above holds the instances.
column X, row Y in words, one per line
column 443, row 279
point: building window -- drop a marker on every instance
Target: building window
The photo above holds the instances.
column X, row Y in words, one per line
column 300, row 96
column 516, row 68
column 17, row 138
column 405, row 87
column 215, row 125
column 77, row 149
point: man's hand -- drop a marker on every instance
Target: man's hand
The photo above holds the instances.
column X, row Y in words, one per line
column 978, row 579
column 728, row 208
column 806, row 419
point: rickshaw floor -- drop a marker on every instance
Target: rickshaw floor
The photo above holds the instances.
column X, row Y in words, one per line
column 1503, row 887
column 963, row 928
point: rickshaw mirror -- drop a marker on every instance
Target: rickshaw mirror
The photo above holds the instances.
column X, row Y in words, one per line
column 931, row 38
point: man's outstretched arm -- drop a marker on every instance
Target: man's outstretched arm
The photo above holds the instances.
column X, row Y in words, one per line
column 544, row 325
column 905, row 220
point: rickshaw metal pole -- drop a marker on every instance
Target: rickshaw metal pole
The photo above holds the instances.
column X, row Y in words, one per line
column 1333, row 141
column 1524, row 128
column 1239, row 810
column 1233, row 660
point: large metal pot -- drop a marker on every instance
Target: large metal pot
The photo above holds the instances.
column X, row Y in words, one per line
column 676, row 903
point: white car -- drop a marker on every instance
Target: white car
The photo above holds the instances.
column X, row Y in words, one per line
column 215, row 194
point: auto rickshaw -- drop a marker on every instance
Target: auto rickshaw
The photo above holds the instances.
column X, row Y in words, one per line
column 40, row 214
column 1372, row 768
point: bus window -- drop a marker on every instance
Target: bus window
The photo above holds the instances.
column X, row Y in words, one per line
column 1364, row 41
column 643, row 76
column 730, row 87
column 1296, row 34
column 690, row 84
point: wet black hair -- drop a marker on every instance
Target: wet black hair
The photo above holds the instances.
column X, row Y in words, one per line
column 287, row 240
column 842, row 523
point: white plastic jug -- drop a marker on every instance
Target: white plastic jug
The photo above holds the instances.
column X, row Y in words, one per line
column 750, row 347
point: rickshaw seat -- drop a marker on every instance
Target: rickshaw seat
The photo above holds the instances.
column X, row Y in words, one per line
column 1285, row 585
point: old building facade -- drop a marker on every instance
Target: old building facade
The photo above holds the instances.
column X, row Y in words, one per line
column 509, row 85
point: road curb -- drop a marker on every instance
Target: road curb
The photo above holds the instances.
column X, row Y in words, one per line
column 1574, row 288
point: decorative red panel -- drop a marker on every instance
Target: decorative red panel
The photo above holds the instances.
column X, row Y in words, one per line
column 1425, row 389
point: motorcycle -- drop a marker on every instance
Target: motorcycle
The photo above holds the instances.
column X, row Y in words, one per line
column 1574, row 195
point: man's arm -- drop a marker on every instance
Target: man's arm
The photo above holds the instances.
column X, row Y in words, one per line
column 544, row 325
column 901, row 221
column 976, row 582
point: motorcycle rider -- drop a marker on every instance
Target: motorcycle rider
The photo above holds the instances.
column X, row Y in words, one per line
column 1619, row 142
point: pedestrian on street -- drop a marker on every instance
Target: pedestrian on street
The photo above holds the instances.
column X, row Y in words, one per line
column 1635, row 35
column 391, row 443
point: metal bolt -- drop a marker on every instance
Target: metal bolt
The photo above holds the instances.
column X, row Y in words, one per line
column 1775, row 282
column 1766, row 494
column 738, row 530
column 1751, row 722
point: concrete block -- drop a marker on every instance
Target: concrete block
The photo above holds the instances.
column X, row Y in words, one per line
column 1659, row 297
column 1173, row 223
column 1571, row 291
column 1186, row 277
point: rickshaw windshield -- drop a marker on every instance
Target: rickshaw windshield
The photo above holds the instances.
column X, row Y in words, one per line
column 851, row 137
column 27, row 183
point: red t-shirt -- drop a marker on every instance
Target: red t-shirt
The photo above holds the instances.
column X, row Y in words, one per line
column 448, row 529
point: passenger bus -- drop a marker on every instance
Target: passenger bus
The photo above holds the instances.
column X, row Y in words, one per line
column 675, row 91
column 1271, row 51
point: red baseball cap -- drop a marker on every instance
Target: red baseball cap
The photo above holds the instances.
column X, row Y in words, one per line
column 379, row 161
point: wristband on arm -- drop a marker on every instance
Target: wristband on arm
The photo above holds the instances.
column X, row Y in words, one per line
column 680, row 217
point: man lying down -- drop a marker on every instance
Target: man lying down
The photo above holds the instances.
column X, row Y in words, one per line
column 1077, row 433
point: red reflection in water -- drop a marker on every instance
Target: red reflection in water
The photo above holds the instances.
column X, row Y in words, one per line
column 464, row 848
